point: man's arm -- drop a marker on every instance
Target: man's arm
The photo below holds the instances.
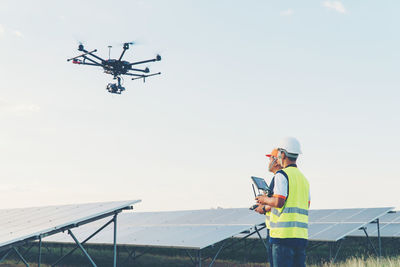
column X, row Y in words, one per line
column 280, row 193
column 275, row 202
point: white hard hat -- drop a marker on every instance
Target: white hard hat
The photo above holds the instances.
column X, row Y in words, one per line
column 290, row 145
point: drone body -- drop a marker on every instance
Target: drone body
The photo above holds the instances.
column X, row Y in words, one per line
column 114, row 67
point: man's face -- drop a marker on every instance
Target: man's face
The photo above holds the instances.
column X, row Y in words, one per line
column 281, row 157
column 273, row 165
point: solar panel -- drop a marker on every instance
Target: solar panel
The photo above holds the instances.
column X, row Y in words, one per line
column 28, row 223
column 333, row 225
column 193, row 237
column 393, row 217
column 195, row 229
column 338, row 215
column 317, row 215
column 331, row 232
column 176, row 236
column 389, row 226
column 211, row 216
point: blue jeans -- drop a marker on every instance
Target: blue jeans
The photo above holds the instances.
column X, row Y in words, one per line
column 269, row 250
column 288, row 256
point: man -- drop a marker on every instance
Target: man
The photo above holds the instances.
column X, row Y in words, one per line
column 289, row 208
column 273, row 166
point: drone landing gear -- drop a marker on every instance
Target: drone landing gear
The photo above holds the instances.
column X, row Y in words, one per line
column 114, row 88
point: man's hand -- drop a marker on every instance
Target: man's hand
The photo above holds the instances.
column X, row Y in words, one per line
column 260, row 209
column 262, row 199
column 275, row 202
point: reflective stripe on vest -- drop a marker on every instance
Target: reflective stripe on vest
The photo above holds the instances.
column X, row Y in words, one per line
column 289, row 224
column 290, row 210
column 267, row 219
column 291, row 221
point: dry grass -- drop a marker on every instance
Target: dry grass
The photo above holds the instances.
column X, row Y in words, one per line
column 352, row 262
column 370, row 262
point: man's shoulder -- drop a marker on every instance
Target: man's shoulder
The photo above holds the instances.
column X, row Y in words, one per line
column 281, row 174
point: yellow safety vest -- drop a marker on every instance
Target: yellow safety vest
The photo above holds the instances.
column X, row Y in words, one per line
column 267, row 219
column 291, row 221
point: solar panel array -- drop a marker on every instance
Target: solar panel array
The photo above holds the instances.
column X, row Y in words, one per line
column 197, row 229
column 193, row 229
column 389, row 226
column 27, row 223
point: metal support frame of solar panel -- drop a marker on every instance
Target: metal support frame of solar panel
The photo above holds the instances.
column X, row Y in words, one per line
column 332, row 225
column 21, row 226
column 188, row 230
column 389, row 227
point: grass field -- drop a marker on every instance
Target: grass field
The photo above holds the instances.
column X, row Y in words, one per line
column 354, row 252
column 353, row 262
column 370, row 262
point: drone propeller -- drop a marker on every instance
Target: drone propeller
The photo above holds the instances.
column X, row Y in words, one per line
column 127, row 44
column 79, row 41
column 158, row 55
column 109, row 51
column 115, row 44
column 80, row 45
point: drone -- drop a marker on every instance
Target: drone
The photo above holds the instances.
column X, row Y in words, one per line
column 115, row 67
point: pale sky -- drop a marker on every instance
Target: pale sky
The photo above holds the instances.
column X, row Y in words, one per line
column 237, row 76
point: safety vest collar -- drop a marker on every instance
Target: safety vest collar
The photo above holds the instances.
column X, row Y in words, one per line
column 291, row 165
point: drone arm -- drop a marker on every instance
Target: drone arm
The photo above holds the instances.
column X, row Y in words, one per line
column 93, row 55
column 158, row 58
column 146, row 70
column 122, row 54
column 94, row 62
column 144, row 76
column 84, row 63
column 84, row 54
column 136, row 75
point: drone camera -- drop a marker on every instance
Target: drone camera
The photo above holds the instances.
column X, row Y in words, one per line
column 114, row 88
